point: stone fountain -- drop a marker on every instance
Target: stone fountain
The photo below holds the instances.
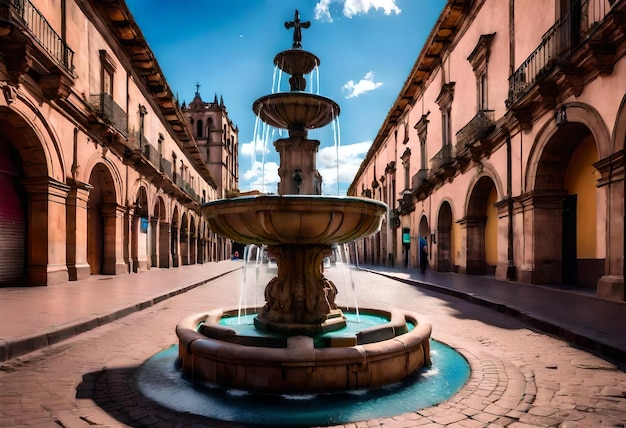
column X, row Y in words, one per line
column 299, row 227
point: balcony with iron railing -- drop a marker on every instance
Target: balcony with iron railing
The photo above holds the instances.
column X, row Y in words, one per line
column 110, row 112
column 15, row 13
column 419, row 179
column 558, row 43
column 479, row 127
column 442, row 158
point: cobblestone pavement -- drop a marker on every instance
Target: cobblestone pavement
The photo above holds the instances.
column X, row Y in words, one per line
column 520, row 376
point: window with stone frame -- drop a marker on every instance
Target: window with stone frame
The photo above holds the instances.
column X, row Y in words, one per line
column 479, row 59
column 444, row 100
column 107, row 71
column 422, row 131
column 199, row 133
column 406, row 163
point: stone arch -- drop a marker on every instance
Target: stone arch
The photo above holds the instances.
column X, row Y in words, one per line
column 174, row 240
column 161, row 234
column 103, row 227
column 481, row 217
column 117, row 181
column 580, row 117
column 423, row 230
column 139, row 230
column 193, row 241
column 24, row 123
column 619, row 130
column 551, row 254
column 184, row 238
column 31, row 186
column 445, row 259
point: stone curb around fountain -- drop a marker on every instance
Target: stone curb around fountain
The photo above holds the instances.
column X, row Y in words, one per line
column 571, row 334
column 18, row 346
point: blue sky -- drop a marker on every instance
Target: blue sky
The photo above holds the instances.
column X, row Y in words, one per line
column 366, row 50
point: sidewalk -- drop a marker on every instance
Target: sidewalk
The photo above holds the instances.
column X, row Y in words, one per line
column 32, row 318
column 576, row 316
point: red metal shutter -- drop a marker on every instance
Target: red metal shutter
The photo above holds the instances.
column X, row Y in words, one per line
column 12, row 230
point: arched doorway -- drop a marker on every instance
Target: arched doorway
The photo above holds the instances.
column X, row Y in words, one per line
column 565, row 211
column 101, row 222
column 192, row 241
column 481, row 227
column 160, row 235
column 184, row 240
column 13, row 224
column 140, row 232
column 423, row 231
column 444, row 238
column 174, row 238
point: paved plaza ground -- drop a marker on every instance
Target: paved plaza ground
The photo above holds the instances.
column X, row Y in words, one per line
column 81, row 371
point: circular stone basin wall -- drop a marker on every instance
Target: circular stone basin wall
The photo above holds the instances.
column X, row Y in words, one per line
column 376, row 356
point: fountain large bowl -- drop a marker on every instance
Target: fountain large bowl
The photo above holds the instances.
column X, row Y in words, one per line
column 296, row 109
column 294, row 219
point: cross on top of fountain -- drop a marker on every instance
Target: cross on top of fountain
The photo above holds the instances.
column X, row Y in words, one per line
column 297, row 26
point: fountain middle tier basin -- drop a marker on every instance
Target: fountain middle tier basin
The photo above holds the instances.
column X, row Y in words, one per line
column 296, row 109
column 376, row 356
column 294, row 219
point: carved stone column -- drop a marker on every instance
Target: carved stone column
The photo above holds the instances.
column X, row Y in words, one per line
column 542, row 258
column 165, row 255
column 154, row 241
column 76, row 250
column 113, row 261
column 611, row 284
column 47, row 236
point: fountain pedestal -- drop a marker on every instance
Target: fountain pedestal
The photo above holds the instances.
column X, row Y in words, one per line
column 300, row 300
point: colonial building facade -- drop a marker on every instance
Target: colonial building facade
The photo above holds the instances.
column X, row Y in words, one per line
column 505, row 147
column 100, row 172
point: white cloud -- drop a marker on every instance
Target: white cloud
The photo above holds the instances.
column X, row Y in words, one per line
column 322, row 12
column 364, row 85
column 350, row 157
column 355, row 7
column 253, row 148
column 260, row 178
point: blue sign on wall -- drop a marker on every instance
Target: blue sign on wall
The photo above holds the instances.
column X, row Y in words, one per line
column 144, row 225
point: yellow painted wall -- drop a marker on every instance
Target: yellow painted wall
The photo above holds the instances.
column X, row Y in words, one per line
column 491, row 229
column 580, row 179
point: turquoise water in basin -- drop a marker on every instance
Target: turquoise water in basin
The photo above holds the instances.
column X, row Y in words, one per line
column 161, row 380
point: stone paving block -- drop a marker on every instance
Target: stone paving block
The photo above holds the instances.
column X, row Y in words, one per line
column 485, row 417
column 448, row 418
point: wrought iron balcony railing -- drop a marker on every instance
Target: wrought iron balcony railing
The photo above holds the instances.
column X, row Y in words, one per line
column 479, row 127
column 420, row 178
column 152, row 154
column 166, row 167
column 558, row 43
column 110, row 112
column 41, row 31
column 443, row 157
column 183, row 184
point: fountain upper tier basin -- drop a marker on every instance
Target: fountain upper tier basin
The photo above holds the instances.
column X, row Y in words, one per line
column 294, row 219
column 296, row 61
column 296, row 109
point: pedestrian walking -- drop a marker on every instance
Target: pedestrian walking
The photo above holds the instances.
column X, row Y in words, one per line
column 423, row 253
